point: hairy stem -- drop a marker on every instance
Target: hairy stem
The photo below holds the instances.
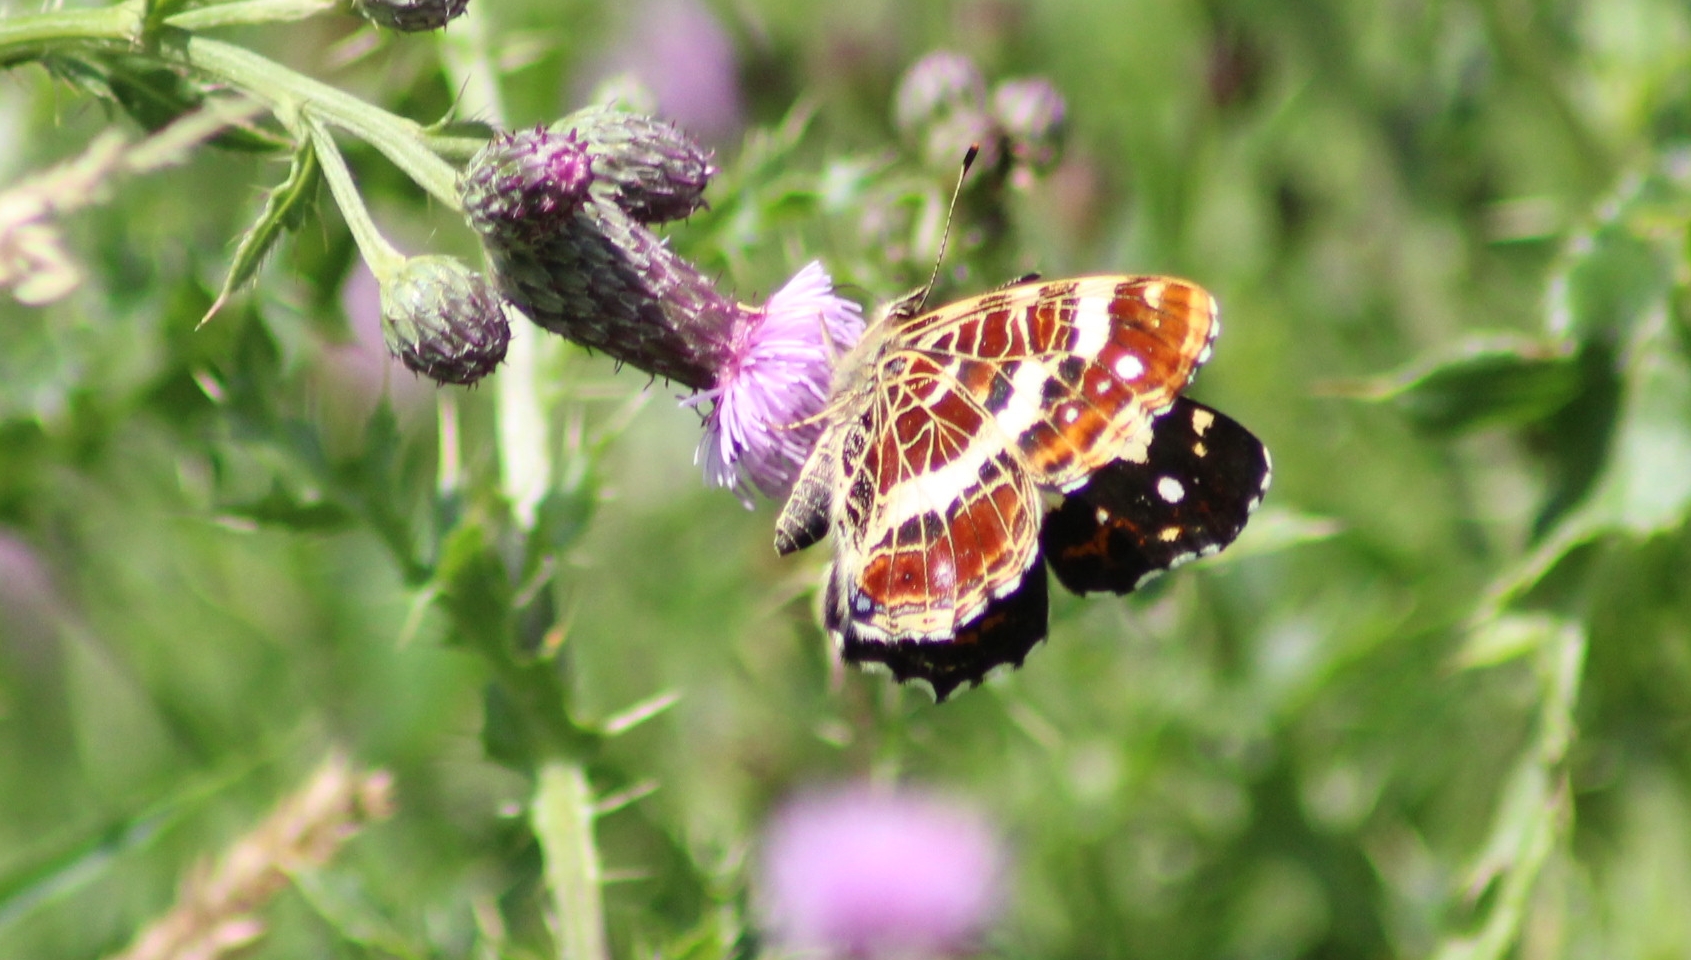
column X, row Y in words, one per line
column 563, row 821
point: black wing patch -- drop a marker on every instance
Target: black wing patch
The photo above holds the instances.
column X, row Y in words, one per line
column 1003, row 634
column 1202, row 476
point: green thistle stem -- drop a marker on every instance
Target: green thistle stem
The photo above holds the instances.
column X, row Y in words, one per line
column 247, row 12
column 31, row 35
column 384, row 260
column 285, row 92
column 563, row 816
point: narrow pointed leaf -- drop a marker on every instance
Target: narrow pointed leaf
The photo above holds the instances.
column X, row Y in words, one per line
column 285, row 208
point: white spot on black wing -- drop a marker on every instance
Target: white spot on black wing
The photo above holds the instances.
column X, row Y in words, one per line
column 1171, row 489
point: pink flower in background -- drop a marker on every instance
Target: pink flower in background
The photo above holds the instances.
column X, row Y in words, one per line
column 679, row 50
column 361, row 371
column 860, row 872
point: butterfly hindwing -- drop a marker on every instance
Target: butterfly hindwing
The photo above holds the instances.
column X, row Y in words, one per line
column 938, row 560
column 1191, row 494
column 1001, row 635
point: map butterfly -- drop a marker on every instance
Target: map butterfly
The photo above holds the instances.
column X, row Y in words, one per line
column 948, row 429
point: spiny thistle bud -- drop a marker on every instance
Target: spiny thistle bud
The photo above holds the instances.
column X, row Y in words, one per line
column 523, row 186
column 410, row 16
column 649, row 168
column 606, row 282
column 444, row 320
column 942, row 107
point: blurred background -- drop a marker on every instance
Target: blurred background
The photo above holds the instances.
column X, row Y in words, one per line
column 1435, row 702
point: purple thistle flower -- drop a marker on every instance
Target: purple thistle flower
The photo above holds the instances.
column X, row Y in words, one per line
column 858, row 872
column 563, row 218
column 771, row 384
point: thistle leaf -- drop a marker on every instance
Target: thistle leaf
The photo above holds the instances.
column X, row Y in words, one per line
column 285, row 208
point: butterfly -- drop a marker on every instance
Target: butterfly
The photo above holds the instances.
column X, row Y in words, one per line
column 948, row 429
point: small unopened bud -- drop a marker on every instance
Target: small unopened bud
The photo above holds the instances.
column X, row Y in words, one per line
column 938, row 85
column 444, row 320
column 649, row 168
column 522, row 186
column 410, row 16
column 1031, row 113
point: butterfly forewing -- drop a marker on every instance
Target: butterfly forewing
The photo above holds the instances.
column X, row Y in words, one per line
column 1069, row 373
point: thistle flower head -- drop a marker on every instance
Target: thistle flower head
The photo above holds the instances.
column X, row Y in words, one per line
column 525, row 185
column 410, row 16
column 444, row 320
column 563, row 218
column 773, row 382
column 857, row 872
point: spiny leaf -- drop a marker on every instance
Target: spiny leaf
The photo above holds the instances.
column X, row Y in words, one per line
column 285, row 208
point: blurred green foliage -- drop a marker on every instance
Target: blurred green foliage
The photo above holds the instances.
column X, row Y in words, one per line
column 1436, row 701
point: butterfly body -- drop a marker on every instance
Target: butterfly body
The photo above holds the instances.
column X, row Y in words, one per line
column 947, row 429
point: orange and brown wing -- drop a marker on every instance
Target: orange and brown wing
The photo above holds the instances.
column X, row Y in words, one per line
column 1070, row 373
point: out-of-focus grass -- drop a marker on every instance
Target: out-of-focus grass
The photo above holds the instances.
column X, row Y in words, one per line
column 1452, row 710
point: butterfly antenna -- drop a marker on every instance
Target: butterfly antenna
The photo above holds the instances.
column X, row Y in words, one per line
column 950, row 211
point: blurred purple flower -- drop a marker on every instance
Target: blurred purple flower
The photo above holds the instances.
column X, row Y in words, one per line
column 776, row 376
column 858, row 872
column 679, row 50
column 31, row 607
column 360, row 372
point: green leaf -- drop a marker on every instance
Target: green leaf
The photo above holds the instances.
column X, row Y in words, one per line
column 475, row 590
column 343, row 902
column 559, row 521
column 1486, row 381
column 285, row 208
column 155, row 96
column 1575, row 442
column 1640, row 480
column 1609, row 288
column 1531, row 814
column 284, row 507
column 1646, row 486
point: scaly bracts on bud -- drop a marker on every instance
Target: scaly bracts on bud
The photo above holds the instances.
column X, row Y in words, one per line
column 444, row 320
column 525, row 186
column 410, row 16
column 650, row 169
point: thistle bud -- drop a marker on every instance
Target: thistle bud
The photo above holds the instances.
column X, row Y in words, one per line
column 940, row 107
column 1031, row 113
column 606, row 282
column 523, row 186
column 444, row 320
column 649, row 168
column 410, row 16
column 940, row 84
